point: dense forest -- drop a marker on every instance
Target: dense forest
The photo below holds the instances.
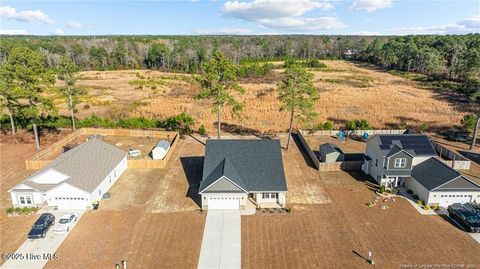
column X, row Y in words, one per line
column 454, row 58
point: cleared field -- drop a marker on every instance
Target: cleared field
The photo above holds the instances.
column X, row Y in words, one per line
column 347, row 92
column 340, row 234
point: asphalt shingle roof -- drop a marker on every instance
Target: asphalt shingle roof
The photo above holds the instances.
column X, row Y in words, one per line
column 254, row 165
column 86, row 165
column 433, row 173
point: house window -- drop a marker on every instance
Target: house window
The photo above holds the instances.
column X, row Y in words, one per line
column 400, row 163
column 269, row 195
column 25, row 199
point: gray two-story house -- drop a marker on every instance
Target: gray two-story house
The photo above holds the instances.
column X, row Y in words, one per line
column 410, row 160
column 389, row 159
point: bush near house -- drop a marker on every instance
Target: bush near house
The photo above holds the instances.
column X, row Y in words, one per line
column 415, row 197
column 409, row 191
column 21, row 210
column 381, row 189
column 419, row 202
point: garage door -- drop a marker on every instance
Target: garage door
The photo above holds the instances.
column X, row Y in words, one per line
column 446, row 200
column 223, row 203
column 68, row 203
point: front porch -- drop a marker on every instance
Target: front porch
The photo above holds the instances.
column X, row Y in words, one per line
column 390, row 182
column 267, row 199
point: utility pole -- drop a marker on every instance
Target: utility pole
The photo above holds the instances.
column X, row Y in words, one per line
column 475, row 133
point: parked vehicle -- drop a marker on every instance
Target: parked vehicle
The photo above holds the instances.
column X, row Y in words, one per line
column 466, row 215
column 458, row 137
column 65, row 223
column 41, row 226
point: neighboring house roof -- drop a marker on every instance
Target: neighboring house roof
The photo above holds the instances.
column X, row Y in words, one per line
column 414, row 144
column 330, row 148
column 86, row 165
column 253, row 165
column 433, row 174
column 164, row 144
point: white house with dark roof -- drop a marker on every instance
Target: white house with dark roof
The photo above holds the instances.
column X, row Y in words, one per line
column 410, row 160
column 75, row 179
column 238, row 171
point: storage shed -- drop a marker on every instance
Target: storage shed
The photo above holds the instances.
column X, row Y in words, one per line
column 160, row 150
column 330, row 153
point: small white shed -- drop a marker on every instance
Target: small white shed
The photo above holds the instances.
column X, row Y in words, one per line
column 160, row 150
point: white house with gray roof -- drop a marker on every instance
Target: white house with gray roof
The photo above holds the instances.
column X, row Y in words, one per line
column 410, row 160
column 75, row 179
column 236, row 172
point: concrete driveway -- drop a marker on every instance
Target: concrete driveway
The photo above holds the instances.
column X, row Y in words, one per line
column 35, row 253
column 221, row 245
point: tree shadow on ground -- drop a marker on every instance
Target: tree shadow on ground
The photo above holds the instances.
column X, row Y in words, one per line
column 193, row 168
column 303, row 151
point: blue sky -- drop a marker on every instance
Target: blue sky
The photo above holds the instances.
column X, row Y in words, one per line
column 239, row 17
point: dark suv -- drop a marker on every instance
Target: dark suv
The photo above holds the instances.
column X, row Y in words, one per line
column 41, row 226
column 468, row 215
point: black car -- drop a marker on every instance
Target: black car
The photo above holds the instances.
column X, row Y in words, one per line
column 468, row 215
column 41, row 226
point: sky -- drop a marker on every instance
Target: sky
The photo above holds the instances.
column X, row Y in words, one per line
column 248, row 17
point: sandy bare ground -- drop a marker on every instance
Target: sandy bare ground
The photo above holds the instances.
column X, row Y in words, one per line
column 347, row 92
column 331, row 235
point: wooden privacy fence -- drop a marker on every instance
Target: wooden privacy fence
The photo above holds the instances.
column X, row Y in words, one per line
column 341, row 166
column 348, row 165
column 357, row 132
column 42, row 158
column 450, row 158
column 307, row 148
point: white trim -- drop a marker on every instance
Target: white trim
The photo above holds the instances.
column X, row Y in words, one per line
column 65, row 183
column 23, row 183
column 455, row 179
column 206, row 188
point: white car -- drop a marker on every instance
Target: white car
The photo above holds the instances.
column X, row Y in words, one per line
column 65, row 223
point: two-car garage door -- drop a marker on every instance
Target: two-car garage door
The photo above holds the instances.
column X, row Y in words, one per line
column 223, row 203
column 448, row 199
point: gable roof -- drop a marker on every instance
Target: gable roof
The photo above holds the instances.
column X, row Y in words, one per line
column 253, row 165
column 414, row 144
column 459, row 184
column 327, row 148
column 433, row 173
column 86, row 165
column 164, row 144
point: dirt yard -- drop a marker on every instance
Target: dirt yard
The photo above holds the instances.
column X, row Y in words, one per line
column 340, row 234
column 127, row 143
column 347, row 92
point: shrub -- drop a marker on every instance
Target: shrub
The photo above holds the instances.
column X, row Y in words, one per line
column 427, row 207
column 424, row 128
column 419, row 202
column 289, row 210
column 381, row 189
column 10, row 210
column 17, row 209
column 469, row 122
column 415, row 196
column 181, row 123
column 409, row 191
column 95, row 121
column 357, row 125
column 140, row 122
column 434, row 207
column 202, row 130
column 328, row 125
column 314, row 63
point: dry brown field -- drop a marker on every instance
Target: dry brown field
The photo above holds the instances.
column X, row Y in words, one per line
column 347, row 91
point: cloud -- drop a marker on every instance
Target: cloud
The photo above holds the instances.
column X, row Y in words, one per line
column 283, row 14
column 13, row 32
column 24, row 15
column 57, row 31
column 468, row 25
column 77, row 25
column 223, row 31
column 370, row 5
